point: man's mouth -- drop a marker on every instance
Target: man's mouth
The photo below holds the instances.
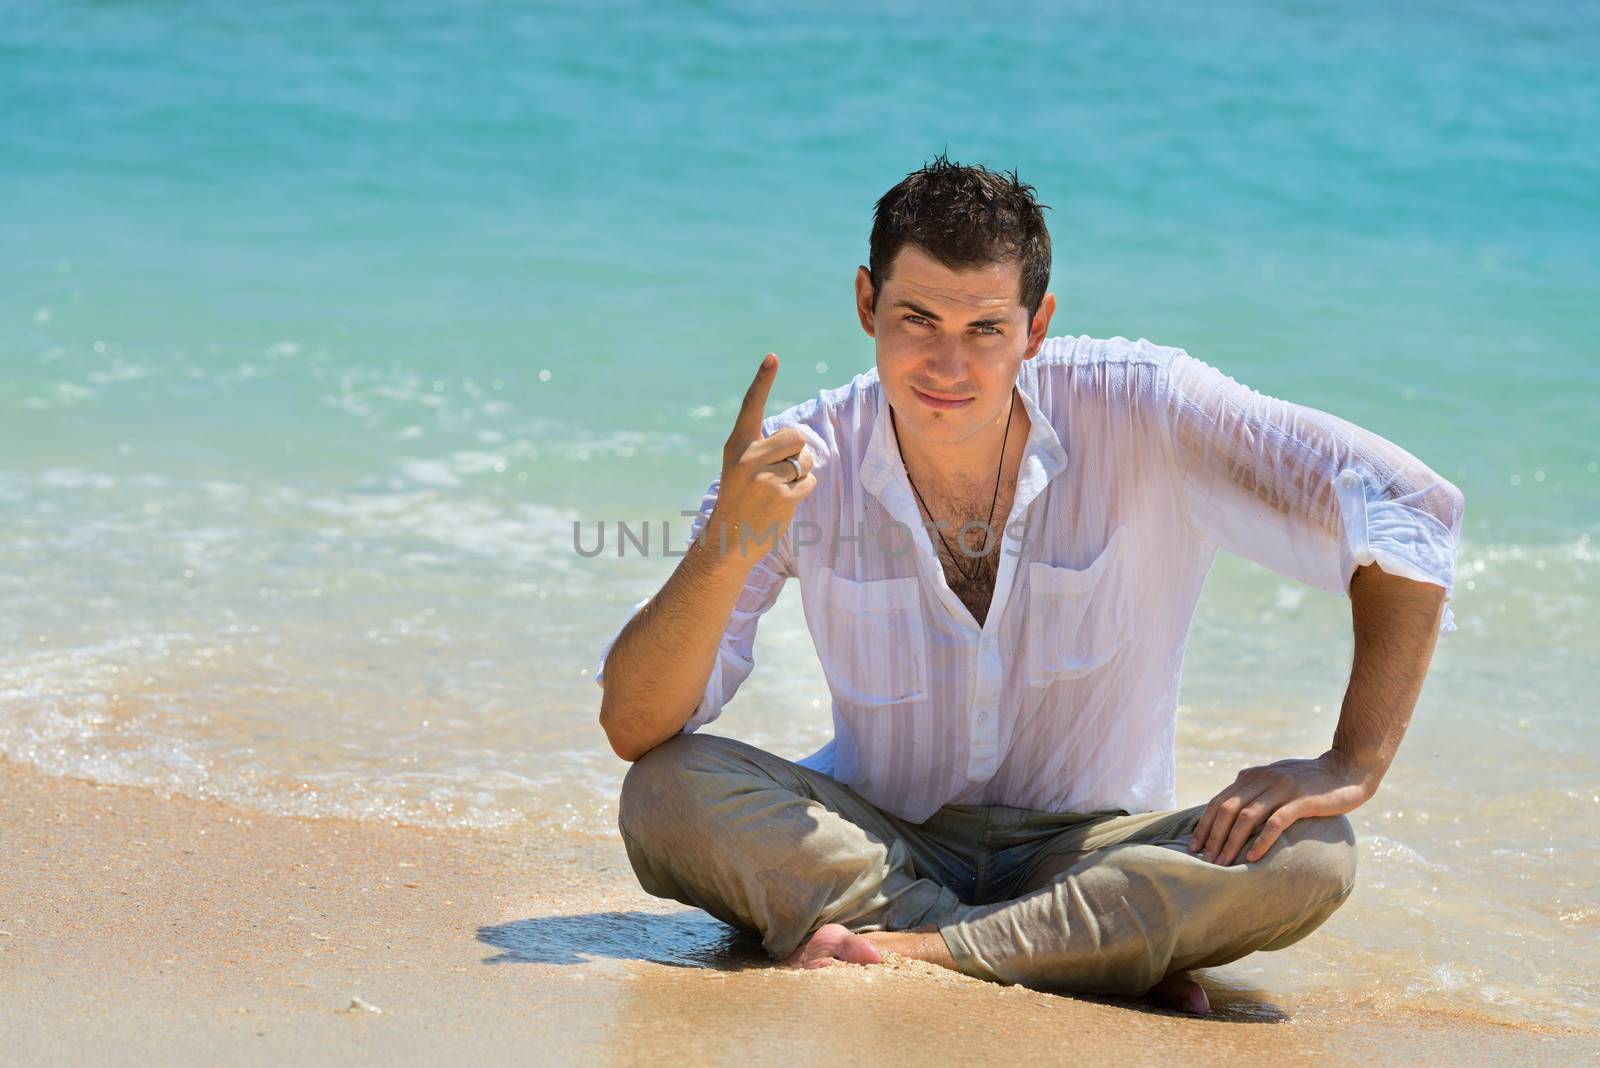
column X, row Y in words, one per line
column 939, row 402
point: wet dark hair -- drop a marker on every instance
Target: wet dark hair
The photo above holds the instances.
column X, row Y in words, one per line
column 964, row 217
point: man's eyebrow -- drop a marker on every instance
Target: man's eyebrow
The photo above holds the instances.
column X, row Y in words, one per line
column 993, row 320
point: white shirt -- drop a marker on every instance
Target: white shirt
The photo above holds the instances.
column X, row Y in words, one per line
column 1140, row 463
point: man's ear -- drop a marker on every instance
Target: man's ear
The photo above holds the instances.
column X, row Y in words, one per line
column 865, row 295
column 1041, row 325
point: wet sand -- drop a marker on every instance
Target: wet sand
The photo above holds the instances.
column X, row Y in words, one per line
column 136, row 928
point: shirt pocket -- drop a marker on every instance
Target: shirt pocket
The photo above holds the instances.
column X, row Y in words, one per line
column 871, row 641
column 1077, row 617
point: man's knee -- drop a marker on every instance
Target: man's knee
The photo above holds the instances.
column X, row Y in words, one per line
column 1307, row 874
column 672, row 783
column 660, row 780
column 1314, row 872
column 1319, row 852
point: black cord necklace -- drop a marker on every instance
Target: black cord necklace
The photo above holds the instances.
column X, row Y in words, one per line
column 988, row 524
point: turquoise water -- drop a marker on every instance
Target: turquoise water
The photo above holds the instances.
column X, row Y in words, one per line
column 320, row 327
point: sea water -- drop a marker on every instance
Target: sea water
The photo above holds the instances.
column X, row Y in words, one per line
column 321, row 326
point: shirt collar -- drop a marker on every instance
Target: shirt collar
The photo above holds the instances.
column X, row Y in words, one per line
column 882, row 466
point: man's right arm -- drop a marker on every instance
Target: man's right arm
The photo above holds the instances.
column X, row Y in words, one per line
column 661, row 661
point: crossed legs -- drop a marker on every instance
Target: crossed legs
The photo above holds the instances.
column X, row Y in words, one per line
column 1108, row 903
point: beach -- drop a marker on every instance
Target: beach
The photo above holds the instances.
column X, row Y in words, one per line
column 330, row 337
column 140, row 929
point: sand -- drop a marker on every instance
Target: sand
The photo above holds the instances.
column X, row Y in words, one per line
column 137, row 929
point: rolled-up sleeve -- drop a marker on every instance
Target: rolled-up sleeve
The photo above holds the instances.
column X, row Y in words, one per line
column 1302, row 492
column 735, row 651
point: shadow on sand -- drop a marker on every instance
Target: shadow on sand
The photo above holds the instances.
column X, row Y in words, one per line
column 693, row 939
column 690, row 939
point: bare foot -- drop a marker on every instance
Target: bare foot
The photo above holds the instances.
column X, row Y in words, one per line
column 1179, row 991
column 833, row 942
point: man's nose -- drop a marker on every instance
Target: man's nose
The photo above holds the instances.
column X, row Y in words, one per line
column 946, row 366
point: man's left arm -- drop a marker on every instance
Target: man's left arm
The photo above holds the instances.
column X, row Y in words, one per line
column 1322, row 500
column 1396, row 627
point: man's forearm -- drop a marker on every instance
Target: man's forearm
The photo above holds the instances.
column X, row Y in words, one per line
column 1396, row 626
column 660, row 663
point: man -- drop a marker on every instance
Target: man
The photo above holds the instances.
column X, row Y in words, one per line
column 998, row 795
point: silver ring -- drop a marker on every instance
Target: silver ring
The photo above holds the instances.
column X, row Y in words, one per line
column 798, row 472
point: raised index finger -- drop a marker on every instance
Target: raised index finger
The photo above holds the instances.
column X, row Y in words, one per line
column 747, row 427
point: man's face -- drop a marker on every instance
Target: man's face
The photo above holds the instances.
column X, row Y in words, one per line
column 949, row 342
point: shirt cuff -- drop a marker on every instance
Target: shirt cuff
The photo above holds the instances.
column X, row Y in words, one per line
column 1402, row 541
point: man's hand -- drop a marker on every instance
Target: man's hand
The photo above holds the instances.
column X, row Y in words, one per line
column 758, row 492
column 1274, row 796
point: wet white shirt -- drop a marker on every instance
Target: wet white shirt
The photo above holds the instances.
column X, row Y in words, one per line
column 1141, row 463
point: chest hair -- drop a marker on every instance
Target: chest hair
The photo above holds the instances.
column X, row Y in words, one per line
column 971, row 505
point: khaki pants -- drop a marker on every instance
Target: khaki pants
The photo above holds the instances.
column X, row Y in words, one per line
column 1106, row 902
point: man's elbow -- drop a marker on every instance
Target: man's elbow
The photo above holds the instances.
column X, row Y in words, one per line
column 627, row 743
column 626, row 751
column 620, row 743
column 624, row 748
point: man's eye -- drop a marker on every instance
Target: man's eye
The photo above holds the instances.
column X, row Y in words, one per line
column 983, row 331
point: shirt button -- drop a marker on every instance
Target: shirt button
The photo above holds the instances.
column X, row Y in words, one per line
column 1349, row 480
